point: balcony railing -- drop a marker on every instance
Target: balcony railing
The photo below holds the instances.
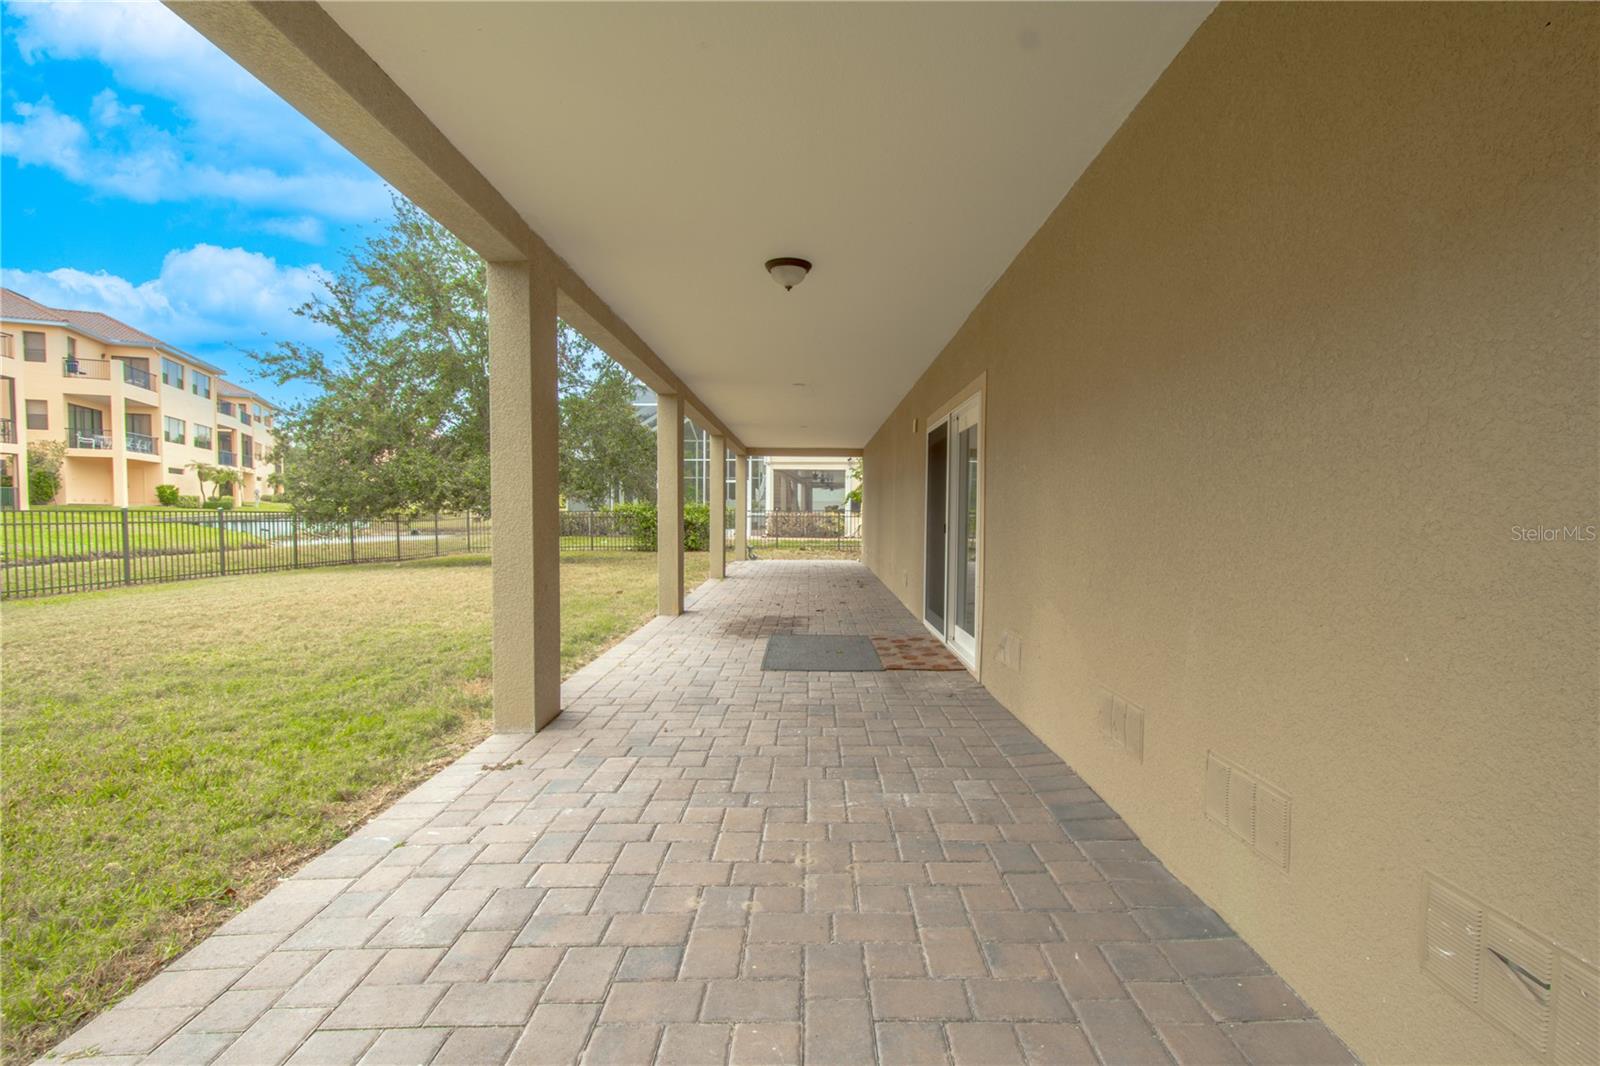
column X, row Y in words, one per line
column 246, row 461
column 142, row 443
column 96, row 369
column 8, row 431
column 82, row 438
column 227, row 459
column 137, row 376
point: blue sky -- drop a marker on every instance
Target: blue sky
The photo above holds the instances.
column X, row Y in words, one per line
column 145, row 175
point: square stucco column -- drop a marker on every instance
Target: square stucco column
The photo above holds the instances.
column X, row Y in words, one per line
column 717, row 501
column 741, row 507
column 669, row 504
column 119, row 446
column 523, row 484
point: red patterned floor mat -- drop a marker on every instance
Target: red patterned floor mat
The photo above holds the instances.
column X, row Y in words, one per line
column 915, row 653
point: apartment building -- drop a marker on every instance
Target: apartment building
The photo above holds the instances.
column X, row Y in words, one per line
column 133, row 411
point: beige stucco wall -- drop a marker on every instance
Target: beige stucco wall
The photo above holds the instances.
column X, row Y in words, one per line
column 193, row 410
column 1266, row 396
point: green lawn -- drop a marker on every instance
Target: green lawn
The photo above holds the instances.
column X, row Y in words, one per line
column 169, row 751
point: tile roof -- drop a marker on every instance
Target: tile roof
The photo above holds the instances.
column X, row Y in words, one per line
column 109, row 328
column 228, row 388
column 14, row 305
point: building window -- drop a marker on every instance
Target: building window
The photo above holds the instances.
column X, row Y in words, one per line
column 175, row 470
column 174, row 430
column 32, row 346
column 72, row 347
column 38, row 414
column 200, row 385
column 172, row 373
column 86, row 427
column 202, row 436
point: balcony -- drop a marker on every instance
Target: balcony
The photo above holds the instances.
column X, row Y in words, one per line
column 134, row 375
column 227, row 459
column 247, row 461
column 8, row 431
column 142, row 443
column 82, row 438
column 86, row 369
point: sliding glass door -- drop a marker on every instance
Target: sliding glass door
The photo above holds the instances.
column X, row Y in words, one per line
column 951, row 576
column 936, row 561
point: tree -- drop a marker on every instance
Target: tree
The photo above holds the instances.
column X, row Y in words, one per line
column 606, row 453
column 400, row 419
column 45, row 458
column 220, row 477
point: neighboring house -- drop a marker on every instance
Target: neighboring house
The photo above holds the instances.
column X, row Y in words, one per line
column 811, row 483
column 133, row 411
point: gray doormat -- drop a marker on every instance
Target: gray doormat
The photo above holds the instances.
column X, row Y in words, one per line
column 805, row 651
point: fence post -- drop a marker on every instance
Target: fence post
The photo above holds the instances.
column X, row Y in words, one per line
column 397, row 538
column 127, row 551
column 222, row 543
column 294, row 534
column 352, row 540
column 436, row 533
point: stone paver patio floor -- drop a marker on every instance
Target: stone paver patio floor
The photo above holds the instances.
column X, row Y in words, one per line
column 703, row 863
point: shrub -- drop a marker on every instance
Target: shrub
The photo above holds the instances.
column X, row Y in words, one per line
column 219, row 503
column 42, row 486
column 187, row 501
column 638, row 519
column 696, row 527
column 167, row 495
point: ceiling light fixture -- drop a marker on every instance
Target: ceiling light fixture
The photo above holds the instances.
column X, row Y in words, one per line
column 788, row 271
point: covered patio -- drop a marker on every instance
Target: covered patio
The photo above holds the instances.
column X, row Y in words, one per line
column 1226, row 385
column 704, row 862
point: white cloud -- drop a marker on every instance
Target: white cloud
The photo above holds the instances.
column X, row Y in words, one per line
column 204, row 296
column 304, row 228
column 232, row 139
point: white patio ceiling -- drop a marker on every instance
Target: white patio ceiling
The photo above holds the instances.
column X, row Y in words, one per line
column 667, row 150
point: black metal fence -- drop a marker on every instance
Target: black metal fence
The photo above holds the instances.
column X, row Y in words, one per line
column 51, row 552
column 804, row 534
column 775, row 534
column 606, row 531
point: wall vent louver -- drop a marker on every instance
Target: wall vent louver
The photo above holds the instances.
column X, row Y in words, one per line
column 1547, row 998
column 1576, row 1032
column 1452, row 938
column 1515, row 979
column 1121, row 723
column 1249, row 808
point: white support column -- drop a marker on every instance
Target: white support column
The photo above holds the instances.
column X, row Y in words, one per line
column 669, row 504
column 523, row 484
column 717, row 499
column 741, row 507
